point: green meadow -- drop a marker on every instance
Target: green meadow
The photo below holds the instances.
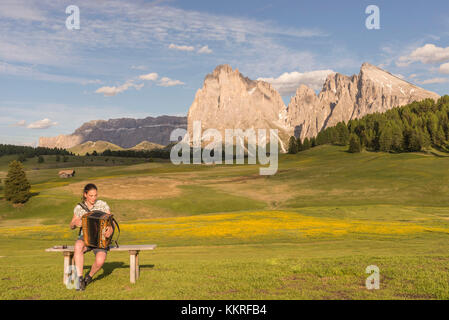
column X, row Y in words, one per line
column 226, row 232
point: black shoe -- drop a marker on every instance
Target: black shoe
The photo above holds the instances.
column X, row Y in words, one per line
column 87, row 280
column 81, row 285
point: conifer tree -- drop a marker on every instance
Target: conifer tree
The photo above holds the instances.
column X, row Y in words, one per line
column 306, row 144
column 292, row 148
column 342, row 134
column 386, row 139
column 354, row 144
column 299, row 145
column 397, row 141
column 414, row 141
column 17, row 187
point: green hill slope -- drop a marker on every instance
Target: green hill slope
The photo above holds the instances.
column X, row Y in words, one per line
column 146, row 145
column 91, row 146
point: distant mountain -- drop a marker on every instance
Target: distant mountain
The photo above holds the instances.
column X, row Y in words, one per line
column 91, row 146
column 230, row 100
column 344, row 98
column 124, row 132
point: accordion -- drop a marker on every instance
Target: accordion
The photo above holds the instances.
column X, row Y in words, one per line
column 94, row 225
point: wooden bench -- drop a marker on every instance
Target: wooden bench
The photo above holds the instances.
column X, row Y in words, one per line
column 134, row 270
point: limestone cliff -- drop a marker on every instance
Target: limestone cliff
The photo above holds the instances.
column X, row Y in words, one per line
column 229, row 100
column 344, row 98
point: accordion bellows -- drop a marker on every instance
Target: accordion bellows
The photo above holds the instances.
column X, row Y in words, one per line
column 95, row 224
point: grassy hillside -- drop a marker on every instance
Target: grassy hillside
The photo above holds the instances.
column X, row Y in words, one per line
column 89, row 147
column 146, row 145
column 226, row 232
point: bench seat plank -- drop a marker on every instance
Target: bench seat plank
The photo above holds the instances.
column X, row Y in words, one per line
column 112, row 248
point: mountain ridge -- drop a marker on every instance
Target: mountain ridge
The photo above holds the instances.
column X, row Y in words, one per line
column 229, row 100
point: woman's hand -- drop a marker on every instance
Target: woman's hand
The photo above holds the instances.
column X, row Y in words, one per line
column 76, row 222
column 108, row 232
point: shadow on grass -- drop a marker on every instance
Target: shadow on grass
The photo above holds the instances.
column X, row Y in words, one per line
column 109, row 267
column 33, row 194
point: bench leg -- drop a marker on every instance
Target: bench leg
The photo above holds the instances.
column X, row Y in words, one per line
column 68, row 265
column 137, row 265
column 132, row 266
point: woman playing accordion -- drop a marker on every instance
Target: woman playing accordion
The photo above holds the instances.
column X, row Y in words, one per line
column 90, row 201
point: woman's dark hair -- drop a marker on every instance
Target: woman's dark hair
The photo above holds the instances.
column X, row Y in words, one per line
column 87, row 188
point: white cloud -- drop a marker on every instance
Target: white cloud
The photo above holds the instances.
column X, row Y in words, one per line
column 444, row 68
column 139, row 67
column 434, row 81
column 31, row 72
column 21, row 123
column 427, row 54
column 181, row 48
column 150, row 77
column 205, row 50
column 167, row 82
column 112, row 91
column 146, row 25
column 287, row 83
column 21, row 10
column 42, row 124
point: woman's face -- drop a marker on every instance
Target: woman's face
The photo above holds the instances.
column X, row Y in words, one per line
column 91, row 196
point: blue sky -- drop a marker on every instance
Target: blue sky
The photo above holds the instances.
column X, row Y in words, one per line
column 148, row 58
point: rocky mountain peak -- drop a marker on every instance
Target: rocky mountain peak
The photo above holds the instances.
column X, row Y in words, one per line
column 349, row 97
column 229, row 100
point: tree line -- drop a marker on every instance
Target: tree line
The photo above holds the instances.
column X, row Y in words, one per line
column 410, row 128
column 30, row 152
column 154, row 153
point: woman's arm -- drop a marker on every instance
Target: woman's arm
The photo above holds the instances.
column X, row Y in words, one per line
column 76, row 222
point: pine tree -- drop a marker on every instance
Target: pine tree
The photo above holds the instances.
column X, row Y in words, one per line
column 397, row 141
column 426, row 139
column 321, row 138
column 292, row 148
column 306, row 144
column 17, row 187
column 354, row 144
column 386, row 139
column 342, row 137
column 299, row 145
column 440, row 137
column 40, row 159
column 414, row 141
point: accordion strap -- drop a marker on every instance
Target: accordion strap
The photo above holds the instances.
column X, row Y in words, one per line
column 83, row 205
column 115, row 222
